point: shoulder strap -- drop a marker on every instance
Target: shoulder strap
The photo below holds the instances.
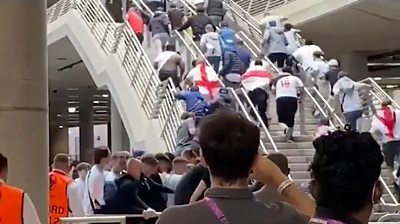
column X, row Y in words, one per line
column 341, row 105
column 90, row 196
column 216, row 210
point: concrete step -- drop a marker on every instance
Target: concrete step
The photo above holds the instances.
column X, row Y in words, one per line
column 297, row 152
column 303, row 138
column 387, row 198
column 294, row 145
column 299, row 182
column 295, row 133
column 297, row 121
column 300, row 175
column 299, row 159
column 307, row 115
column 308, row 127
column 299, row 166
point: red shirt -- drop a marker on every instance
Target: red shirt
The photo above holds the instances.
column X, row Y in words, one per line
column 135, row 21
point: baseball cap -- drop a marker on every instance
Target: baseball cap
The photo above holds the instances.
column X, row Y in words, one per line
column 333, row 62
column 224, row 24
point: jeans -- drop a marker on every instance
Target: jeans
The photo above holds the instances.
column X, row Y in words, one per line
column 352, row 117
column 160, row 40
column 214, row 61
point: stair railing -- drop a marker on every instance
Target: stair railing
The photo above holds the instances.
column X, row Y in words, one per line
column 378, row 92
column 255, row 7
column 119, row 40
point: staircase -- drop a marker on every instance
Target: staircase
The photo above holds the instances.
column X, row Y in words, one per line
column 117, row 62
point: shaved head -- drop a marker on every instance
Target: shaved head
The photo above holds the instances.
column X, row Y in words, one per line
column 134, row 168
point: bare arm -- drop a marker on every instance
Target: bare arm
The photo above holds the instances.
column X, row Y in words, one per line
column 267, row 172
column 198, row 192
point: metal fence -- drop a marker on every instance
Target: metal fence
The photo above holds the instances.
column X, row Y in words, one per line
column 255, row 7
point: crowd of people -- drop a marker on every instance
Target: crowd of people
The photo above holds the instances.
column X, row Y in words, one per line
column 212, row 184
column 299, row 66
column 216, row 174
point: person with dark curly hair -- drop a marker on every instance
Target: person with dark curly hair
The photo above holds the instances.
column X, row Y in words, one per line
column 345, row 177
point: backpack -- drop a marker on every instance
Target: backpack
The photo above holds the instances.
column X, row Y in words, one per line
column 227, row 37
column 212, row 46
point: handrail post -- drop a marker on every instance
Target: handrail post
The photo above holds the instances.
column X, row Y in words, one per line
column 103, row 40
column 302, row 114
column 118, row 34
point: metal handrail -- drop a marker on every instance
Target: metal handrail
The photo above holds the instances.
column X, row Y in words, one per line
column 378, row 90
column 120, row 218
column 264, row 127
column 244, row 111
column 255, row 7
column 331, row 109
column 236, row 97
column 97, row 219
column 119, row 40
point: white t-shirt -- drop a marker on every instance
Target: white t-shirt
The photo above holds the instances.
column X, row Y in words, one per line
column 378, row 128
column 95, row 182
column 111, row 175
column 80, row 183
column 170, row 180
column 288, row 86
column 162, row 58
column 347, row 91
column 322, row 68
column 292, row 41
column 305, row 55
column 195, row 75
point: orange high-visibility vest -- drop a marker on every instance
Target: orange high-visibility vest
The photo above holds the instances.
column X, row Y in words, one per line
column 58, row 196
column 11, row 204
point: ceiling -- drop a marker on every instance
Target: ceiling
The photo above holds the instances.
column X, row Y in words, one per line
column 368, row 26
column 69, row 83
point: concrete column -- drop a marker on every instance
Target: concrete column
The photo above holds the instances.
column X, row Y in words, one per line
column 86, row 133
column 119, row 137
column 356, row 64
column 24, row 98
column 59, row 141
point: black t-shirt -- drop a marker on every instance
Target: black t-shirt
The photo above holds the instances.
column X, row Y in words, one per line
column 189, row 183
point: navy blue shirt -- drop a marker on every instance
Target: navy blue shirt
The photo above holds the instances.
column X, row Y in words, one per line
column 195, row 102
column 245, row 56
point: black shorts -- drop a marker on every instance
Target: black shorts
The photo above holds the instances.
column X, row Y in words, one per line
column 286, row 108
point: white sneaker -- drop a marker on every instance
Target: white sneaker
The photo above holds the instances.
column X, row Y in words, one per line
column 283, row 126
